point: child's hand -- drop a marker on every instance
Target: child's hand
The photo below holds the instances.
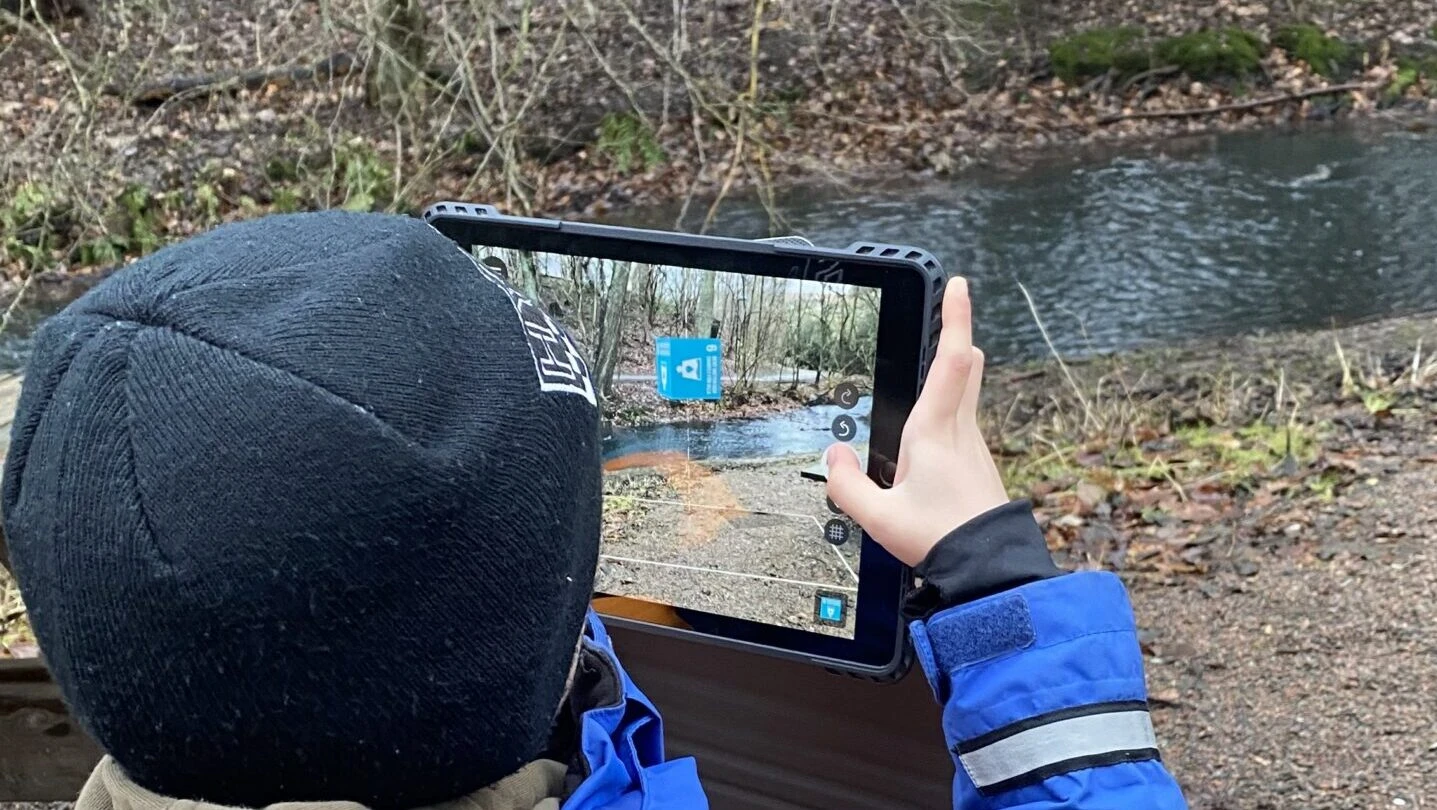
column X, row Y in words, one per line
column 945, row 475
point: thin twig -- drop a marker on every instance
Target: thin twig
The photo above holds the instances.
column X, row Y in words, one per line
column 1077, row 390
column 47, row 33
column 744, row 113
column 1347, row 383
column 15, row 302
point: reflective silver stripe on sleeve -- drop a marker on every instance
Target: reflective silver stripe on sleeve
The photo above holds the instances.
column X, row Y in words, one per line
column 1075, row 739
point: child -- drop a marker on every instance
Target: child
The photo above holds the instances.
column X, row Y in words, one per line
column 296, row 523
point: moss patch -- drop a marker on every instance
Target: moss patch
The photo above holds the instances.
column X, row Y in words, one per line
column 1411, row 71
column 1328, row 56
column 629, row 143
column 31, row 223
column 1211, row 54
column 1096, row 51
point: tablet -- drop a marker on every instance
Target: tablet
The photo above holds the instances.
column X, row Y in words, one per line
column 725, row 368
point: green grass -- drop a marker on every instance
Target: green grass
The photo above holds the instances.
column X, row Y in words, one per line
column 365, row 181
column 1253, row 449
column 1410, row 71
column 1327, row 56
column 28, row 224
column 628, row 143
column 1237, row 455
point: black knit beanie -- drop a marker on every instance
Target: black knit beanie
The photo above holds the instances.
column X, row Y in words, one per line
column 307, row 508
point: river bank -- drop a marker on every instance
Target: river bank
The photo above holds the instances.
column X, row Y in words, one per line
column 1220, row 456
column 563, row 110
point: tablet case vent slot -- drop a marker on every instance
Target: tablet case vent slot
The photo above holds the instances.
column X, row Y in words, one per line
column 912, row 254
column 936, row 278
column 462, row 209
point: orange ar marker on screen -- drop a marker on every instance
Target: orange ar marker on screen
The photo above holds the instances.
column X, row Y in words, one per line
column 711, row 501
column 640, row 609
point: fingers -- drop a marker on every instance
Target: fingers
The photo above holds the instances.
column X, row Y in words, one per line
column 968, row 408
column 957, row 315
column 851, row 489
column 948, row 377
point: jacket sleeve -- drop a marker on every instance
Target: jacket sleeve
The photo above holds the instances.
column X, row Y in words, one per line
column 1044, row 702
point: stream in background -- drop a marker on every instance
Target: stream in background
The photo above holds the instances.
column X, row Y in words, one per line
column 1221, row 235
column 799, row 431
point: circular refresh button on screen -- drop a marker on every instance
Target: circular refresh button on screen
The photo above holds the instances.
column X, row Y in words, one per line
column 844, row 428
column 846, row 395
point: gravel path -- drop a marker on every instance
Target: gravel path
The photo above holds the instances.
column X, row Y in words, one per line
column 766, row 565
column 1312, row 683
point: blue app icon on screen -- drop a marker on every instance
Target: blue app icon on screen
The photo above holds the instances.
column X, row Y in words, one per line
column 830, row 607
column 688, row 368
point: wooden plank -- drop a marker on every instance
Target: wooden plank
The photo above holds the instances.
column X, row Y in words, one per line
column 774, row 735
column 44, row 756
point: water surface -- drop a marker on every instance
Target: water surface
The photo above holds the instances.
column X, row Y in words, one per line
column 1223, row 235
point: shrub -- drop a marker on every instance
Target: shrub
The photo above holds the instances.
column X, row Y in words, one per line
column 365, row 180
column 1098, row 50
column 1210, row 54
column 1325, row 55
column 628, row 142
column 29, row 224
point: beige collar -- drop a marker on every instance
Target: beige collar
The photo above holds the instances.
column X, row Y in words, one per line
column 536, row 786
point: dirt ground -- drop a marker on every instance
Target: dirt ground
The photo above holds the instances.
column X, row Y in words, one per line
column 758, row 527
column 1313, row 682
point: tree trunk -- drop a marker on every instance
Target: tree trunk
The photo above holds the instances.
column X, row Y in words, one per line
column 822, row 336
column 611, row 327
column 795, row 342
column 704, row 320
column 400, row 50
column 643, row 284
column 527, row 270
column 844, row 335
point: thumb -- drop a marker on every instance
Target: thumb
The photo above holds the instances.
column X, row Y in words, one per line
column 850, row 488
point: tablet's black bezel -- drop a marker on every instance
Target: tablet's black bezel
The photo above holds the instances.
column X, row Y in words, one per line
column 878, row 646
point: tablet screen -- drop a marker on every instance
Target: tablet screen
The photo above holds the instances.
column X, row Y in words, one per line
column 721, row 392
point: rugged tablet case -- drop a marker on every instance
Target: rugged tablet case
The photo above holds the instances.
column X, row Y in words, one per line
column 790, row 245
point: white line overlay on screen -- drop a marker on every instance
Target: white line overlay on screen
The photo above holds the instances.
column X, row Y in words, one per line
column 841, row 559
column 746, row 575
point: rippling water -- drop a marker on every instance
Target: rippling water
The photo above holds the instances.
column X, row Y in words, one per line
column 1224, row 235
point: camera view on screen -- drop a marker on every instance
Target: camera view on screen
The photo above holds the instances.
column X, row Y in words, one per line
column 720, row 392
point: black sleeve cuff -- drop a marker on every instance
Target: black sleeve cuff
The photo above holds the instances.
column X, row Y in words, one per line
column 998, row 550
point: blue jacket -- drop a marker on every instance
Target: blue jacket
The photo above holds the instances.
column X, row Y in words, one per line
column 621, row 748
column 1044, row 708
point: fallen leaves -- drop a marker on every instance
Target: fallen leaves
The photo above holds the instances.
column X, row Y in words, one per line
column 1219, row 492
